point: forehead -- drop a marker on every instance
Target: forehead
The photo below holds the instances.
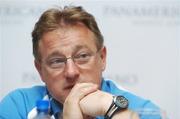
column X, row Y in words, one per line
column 67, row 39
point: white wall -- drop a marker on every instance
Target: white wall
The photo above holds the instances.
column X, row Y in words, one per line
column 178, row 103
column 142, row 38
column 0, row 59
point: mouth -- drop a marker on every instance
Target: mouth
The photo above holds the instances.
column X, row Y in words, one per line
column 69, row 87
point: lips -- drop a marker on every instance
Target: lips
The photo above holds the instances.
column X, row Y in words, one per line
column 69, row 87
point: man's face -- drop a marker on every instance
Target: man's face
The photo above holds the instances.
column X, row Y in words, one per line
column 75, row 41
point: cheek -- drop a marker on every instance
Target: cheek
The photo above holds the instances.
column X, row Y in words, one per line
column 93, row 74
column 49, row 74
column 97, row 72
column 52, row 79
column 55, row 84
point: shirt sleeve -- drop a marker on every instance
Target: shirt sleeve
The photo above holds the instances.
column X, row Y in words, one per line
column 150, row 111
column 11, row 107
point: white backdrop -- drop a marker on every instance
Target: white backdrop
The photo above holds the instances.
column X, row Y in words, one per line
column 142, row 38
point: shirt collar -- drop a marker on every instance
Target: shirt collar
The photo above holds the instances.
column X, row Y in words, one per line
column 55, row 107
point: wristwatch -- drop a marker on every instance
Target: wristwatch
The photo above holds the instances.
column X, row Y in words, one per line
column 118, row 103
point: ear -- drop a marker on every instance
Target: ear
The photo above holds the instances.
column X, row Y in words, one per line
column 103, row 57
column 39, row 68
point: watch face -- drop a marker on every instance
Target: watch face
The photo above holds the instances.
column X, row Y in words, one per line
column 121, row 102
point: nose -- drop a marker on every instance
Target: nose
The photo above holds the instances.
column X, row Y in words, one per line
column 71, row 70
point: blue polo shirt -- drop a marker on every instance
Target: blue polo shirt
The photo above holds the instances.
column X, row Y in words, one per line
column 19, row 103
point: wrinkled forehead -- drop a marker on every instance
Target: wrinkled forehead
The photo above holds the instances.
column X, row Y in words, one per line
column 67, row 39
column 65, row 30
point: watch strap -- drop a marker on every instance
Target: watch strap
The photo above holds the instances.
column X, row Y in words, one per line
column 112, row 109
column 118, row 103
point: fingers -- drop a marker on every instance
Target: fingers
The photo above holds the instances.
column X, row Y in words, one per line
column 80, row 90
column 71, row 103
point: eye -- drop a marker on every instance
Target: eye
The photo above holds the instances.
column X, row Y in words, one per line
column 82, row 56
column 56, row 62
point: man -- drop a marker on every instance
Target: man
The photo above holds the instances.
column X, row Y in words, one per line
column 70, row 57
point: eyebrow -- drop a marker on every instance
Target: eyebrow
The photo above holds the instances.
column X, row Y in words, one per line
column 75, row 49
column 78, row 47
column 53, row 54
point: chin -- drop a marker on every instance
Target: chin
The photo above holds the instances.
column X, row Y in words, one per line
column 62, row 98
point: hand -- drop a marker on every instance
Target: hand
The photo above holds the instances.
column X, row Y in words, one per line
column 96, row 103
column 71, row 108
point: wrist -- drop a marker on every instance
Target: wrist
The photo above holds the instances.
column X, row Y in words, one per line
column 119, row 103
column 106, row 101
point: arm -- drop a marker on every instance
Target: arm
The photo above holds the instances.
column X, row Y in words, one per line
column 97, row 103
